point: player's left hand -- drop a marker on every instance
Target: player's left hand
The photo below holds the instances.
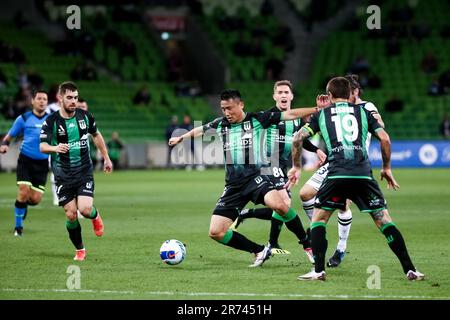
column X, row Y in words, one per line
column 387, row 174
column 322, row 101
column 293, row 177
column 107, row 166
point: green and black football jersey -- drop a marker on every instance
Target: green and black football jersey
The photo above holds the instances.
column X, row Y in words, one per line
column 244, row 143
column 279, row 141
column 73, row 131
column 344, row 127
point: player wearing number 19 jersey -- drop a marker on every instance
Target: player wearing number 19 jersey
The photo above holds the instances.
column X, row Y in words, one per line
column 344, row 127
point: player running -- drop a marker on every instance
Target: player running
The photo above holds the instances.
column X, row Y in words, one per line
column 241, row 135
column 65, row 135
column 32, row 165
column 344, row 127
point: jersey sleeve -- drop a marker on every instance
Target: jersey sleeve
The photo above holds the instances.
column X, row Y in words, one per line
column 369, row 106
column 17, row 127
column 373, row 124
column 267, row 118
column 46, row 132
column 92, row 125
column 313, row 125
column 212, row 125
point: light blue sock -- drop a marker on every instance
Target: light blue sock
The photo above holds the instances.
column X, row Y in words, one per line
column 19, row 213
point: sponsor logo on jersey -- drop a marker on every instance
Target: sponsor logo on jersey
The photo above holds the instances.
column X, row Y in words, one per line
column 82, row 124
column 61, row 130
column 71, row 125
column 78, row 144
column 247, row 125
column 258, row 179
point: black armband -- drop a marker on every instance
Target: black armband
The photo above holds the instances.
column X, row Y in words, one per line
column 308, row 146
column 5, row 143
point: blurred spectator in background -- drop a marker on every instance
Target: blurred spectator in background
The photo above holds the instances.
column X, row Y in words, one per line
column 283, row 38
column 395, row 104
column 274, row 67
column 115, row 147
column 85, row 71
column 169, row 130
column 359, row 65
column 429, row 63
column 22, row 77
column 142, row 97
column 435, row 88
column 189, row 156
column 35, row 80
column 445, row 127
column 8, row 109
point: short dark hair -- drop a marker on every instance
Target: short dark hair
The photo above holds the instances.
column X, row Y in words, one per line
column 283, row 83
column 230, row 94
column 35, row 92
column 354, row 82
column 339, row 87
column 67, row 86
column 81, row 100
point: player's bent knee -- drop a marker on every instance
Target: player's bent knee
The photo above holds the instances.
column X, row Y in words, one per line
column 306, row 194
column 34, row 199
column 281, row 208
column 86, row 211
column 216, row 234
column 71, row 215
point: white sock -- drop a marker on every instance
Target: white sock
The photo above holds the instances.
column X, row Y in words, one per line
column 344, row 224
column 308, row 206
column 55, row 195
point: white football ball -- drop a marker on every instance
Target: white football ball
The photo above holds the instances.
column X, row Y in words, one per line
column 172, row 252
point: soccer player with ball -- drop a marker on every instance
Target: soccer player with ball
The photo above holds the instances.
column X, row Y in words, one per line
column 241, row 133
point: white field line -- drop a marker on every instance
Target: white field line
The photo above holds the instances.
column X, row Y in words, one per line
column 223, row 294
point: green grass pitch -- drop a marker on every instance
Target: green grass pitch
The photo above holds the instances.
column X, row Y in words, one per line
column 141, row 209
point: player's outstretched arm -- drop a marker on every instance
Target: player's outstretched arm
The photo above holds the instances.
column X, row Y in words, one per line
column 194, row 133
column 4, row 147
column 386, row 172
column 321, row 102
column 44, row 147
column 101, row 146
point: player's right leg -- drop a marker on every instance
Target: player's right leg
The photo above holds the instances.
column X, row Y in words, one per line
column 74, row 228
column 223, row 216
column 370, row 199
column 54, row 189
column 319, row 244
column 396, row 242
column 21, row 206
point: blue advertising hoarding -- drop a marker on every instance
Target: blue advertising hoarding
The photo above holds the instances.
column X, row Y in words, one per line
column 429, row 154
